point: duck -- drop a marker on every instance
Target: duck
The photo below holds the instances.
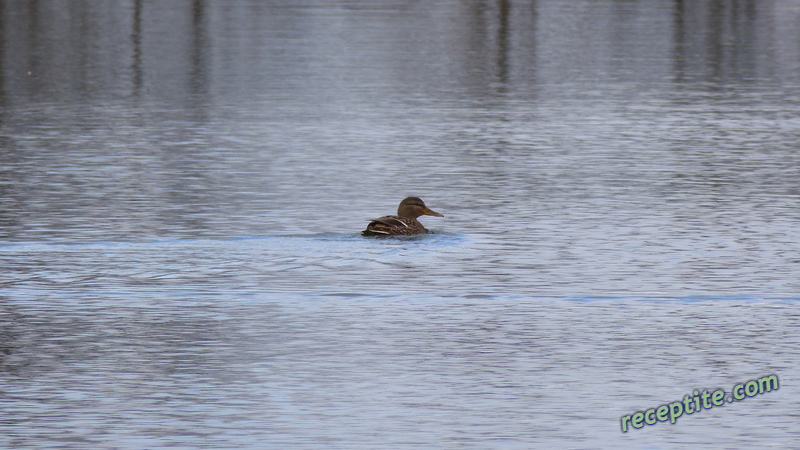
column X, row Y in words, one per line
column 404, row 223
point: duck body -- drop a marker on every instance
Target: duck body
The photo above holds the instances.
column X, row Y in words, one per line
column 394, row 226
column 405, row 223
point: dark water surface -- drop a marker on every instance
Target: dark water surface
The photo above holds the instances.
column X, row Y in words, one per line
column 182, row 186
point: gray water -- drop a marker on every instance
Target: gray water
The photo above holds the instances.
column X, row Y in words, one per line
column 183, row 183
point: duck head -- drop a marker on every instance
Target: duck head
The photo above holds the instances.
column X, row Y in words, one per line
column 414, row 207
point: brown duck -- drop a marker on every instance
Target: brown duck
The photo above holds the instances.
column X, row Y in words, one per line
column 404, row 223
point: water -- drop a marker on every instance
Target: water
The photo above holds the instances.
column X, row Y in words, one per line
column 182, row 187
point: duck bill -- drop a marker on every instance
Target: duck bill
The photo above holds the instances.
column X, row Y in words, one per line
column 430, row 212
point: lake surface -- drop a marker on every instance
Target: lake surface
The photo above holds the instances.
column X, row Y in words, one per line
column 182, row 187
